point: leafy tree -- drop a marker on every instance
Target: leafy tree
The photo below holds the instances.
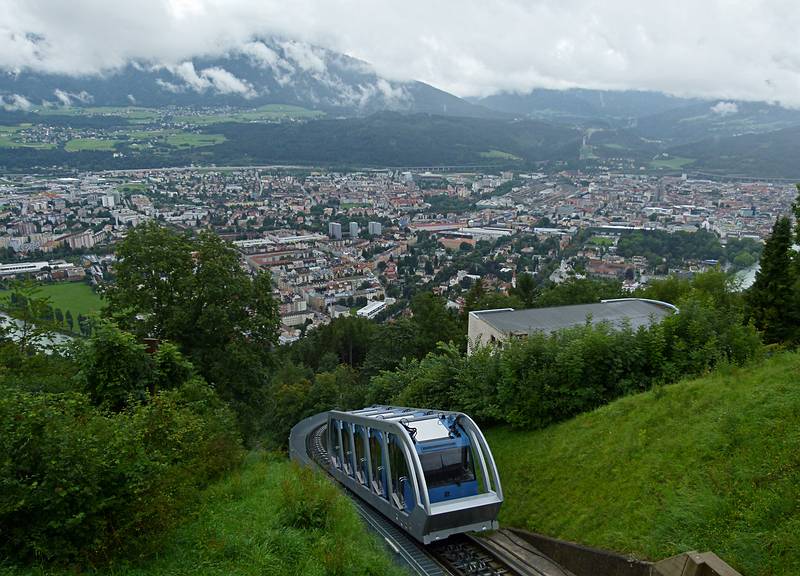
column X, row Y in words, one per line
column 59, row 316
column 152, row 291
column 579, row 291
column 194, row 292
column 171, row 369
column 70, row 321
column 114, row 367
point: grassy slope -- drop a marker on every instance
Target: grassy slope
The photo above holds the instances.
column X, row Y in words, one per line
column 238, row 529
column 712, row 463
column 77, row 297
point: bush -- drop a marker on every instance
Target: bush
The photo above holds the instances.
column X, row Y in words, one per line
column 79, row 483
column 545, row 378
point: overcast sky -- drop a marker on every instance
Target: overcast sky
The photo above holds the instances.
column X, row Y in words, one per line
column 745, row 49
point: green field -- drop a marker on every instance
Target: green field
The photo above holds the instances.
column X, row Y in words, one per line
column 9, row 139
column 98, row 144
column 132, row 188
column 268, row 113
column 601, row 241
column 77, row 297
column 135, row 114
column 708, row 464
column 242, row 527
column 675, row 163
column 499, row 155
column 193, row 140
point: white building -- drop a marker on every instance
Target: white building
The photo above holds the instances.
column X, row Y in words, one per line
column 372, row 309
column 496, row 326
column 375, row 228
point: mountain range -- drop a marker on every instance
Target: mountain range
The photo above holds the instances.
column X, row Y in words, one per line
column 258, row 73
column 626, row 127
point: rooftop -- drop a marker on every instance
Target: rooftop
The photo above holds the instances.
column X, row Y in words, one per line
column 636, row 311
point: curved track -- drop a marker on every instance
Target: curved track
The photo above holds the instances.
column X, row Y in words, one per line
column 461, row 555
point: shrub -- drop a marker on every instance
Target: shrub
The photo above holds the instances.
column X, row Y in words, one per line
column 78, row 483
column 544, row 378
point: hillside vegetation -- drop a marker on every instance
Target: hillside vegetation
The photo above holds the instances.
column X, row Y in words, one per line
column 711, row 463
column 266, row 518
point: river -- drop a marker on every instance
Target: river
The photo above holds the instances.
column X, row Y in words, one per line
column 47, row 343
column 747, row 276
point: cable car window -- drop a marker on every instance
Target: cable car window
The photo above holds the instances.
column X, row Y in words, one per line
column 402, row 493
column 359, row 438
column 448, row 467
column 335, row 427
column 376, row 459
column 347, row 440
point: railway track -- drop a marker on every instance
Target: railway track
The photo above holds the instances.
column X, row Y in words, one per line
column 462, row 555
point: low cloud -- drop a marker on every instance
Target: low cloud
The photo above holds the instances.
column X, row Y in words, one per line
column 214, row 78
column 15, row 103
column 725, row 108
column 726, row 51
column 226, row 83
column 68, row 99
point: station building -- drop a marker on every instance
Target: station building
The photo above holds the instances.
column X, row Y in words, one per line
column 496, row 326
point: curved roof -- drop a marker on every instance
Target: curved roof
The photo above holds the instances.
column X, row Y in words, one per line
column 636, row 311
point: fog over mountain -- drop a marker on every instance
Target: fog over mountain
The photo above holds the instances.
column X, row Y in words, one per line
column 744, row 50
column 259, row 72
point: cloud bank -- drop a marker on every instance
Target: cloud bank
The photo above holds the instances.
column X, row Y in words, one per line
column 720, row 49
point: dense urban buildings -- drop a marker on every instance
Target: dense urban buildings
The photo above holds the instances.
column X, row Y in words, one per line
column 350, row 243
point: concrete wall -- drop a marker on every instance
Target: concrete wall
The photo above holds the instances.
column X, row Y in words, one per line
column 480, row 333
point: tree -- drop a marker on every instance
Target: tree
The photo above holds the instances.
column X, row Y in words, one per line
column 114, row 367
column 59, row 317
column 194, row 292
column 434, row 323
column 70, row 321
column 153, row 285
column 525, row 289
column 475, row 295
column 772, row 299
column 796, row 212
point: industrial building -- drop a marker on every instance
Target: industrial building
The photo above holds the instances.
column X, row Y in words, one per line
column 496, row 326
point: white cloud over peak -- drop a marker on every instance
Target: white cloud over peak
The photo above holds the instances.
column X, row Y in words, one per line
column 725, row 108
column 214, row 78
column 738, row 49
column 15, row 102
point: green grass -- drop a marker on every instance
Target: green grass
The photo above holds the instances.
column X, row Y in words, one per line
column 135, row 114
column 77, row 297
column 174, row 138
column 601, row 241
column 267, row 113
column 708, row 464
column 192, row 140
column 675, row 163
column 499, row 155
column 98, row 144
column 243, row 527
column 8, row 139
column 132, row 188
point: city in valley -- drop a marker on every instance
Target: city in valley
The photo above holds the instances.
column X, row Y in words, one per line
column 363, row 242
